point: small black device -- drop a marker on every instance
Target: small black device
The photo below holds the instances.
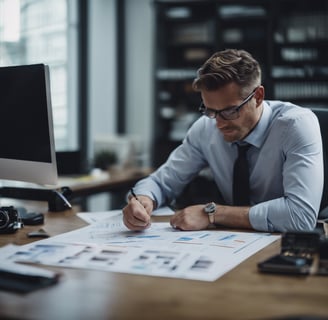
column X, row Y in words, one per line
column 298, row 250
column 9, row 220
column 30, row 218
column 57, row 199
column 323, row 258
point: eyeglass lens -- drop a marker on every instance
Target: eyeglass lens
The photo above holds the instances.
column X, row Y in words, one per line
column 231, row 113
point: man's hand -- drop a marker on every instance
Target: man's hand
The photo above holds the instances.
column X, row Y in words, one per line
column 194, row 217
column 136, row 214
column 190, row 218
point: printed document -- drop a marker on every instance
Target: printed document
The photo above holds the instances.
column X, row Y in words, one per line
column 106, row 244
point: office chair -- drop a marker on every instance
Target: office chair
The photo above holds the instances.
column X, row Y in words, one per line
column 322, row 114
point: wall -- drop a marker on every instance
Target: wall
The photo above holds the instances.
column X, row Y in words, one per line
column 102, row 76
column 102, row 68
column 101, row 80
column 139, row 72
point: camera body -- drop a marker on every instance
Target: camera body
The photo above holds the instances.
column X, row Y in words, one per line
column 297, row 255
column 9, row 220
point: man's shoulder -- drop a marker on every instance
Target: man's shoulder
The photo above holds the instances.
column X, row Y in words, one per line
column 204, row 125
column 282, row 110
column 292, row 124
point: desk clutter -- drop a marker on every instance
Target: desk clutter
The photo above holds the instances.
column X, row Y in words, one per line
column 25, row 279
column 14, row 218
column 57, row 198
column 303, row 253
column 22, row 278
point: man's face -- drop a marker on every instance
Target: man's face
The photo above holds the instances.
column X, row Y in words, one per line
column 249, row 113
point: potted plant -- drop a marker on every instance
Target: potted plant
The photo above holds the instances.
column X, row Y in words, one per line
column 104, row 159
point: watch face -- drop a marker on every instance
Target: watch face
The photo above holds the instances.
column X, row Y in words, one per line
column 210, row 207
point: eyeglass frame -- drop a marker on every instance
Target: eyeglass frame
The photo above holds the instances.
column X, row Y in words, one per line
column 204, row 110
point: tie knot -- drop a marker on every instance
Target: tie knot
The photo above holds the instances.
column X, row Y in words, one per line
column 242, row 149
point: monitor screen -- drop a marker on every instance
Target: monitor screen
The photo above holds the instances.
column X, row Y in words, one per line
column 27, row 148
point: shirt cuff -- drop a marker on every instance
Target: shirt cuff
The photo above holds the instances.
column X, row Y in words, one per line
column 258, row 218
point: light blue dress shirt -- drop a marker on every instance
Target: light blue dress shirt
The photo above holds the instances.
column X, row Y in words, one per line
column 285, row 159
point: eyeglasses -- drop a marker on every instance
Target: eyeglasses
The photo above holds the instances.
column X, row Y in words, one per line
column 230, row 113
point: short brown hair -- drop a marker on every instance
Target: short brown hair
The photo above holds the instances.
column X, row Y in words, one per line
column 228, row 66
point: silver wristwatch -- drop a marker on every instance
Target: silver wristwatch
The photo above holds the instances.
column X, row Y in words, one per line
column 210, row 210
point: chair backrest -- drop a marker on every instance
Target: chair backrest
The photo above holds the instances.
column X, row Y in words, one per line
column 322, row 114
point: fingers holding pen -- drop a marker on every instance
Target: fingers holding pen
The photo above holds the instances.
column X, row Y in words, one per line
column 135, row 224
column 136, row 215
column 140, row 212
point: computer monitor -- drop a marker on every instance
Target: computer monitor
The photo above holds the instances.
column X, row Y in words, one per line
column 27, row 147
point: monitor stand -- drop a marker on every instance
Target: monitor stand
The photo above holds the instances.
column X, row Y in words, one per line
column 57, row 199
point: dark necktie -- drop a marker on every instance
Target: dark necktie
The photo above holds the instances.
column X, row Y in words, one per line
column 241, row 178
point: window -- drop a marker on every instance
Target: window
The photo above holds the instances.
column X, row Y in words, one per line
column 46, row 31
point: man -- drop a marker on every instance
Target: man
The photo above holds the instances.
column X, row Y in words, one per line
column 284, row 154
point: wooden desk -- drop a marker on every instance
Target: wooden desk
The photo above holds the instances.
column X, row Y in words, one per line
column 117, row 183
column 118, row 180
column 243, row 293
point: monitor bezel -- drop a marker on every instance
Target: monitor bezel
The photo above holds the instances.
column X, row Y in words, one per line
column 36, row 172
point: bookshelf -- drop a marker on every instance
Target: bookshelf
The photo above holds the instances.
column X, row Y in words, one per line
column 288, row 38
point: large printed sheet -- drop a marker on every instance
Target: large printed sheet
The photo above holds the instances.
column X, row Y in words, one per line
column 106, row 244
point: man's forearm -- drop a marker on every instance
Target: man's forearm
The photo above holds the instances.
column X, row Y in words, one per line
column 236, row 217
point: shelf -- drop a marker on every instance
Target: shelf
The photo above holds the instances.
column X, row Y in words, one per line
column 301, row 90
column 239, row 12
column 182, row 11
column 305, row 55
column 308, row 72
column 199, row 33
column 175, row 74
column 288, row 37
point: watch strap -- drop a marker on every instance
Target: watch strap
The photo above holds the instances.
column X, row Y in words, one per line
column 210, row 210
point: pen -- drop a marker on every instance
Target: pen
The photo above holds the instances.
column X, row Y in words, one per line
column 133, row 194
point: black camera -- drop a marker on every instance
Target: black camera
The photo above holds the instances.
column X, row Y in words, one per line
column 9, row 220
column 297, row 255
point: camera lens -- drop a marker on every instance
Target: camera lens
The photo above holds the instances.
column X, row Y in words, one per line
column 4, row 219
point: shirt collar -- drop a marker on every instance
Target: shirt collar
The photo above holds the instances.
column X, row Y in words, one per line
column 257, row 136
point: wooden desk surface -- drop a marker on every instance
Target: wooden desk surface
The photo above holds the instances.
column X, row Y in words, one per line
column 243, row 293
column 118, row 180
